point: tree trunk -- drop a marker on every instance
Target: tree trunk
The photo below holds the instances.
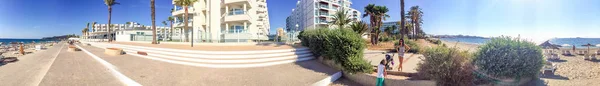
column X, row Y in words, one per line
column 171, row 35
column 153, row 22
column 186, row 25
column 109, row 19
column 402, row 19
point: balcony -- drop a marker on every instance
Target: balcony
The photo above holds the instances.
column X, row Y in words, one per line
column 236, row 18
column 324, row 7
column 181, row 11
column 249, row 3
column 181, row 24
column 234, row 1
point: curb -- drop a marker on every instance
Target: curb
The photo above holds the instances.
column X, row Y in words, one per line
column 328, row 80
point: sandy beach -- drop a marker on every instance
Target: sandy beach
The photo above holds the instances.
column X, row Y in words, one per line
column 572, row 70
column 462, row 46
column 29, row 49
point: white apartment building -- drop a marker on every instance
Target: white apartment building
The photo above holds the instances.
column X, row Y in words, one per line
column 318, row 13
column 218, row 21
column 128, row 32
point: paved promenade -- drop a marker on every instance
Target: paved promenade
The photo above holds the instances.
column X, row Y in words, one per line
column 58, row 67
column 30, row 69
column 410, row 60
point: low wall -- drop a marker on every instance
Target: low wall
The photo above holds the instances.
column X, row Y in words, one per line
column 370, row 80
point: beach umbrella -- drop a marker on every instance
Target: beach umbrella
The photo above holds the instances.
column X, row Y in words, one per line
column 588, row 46
column 565, row 45
column 548, row 45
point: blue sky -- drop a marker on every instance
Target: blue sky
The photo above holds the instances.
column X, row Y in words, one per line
column 532, row 19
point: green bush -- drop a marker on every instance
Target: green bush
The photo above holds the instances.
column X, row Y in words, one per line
column 447, row 66
column 386, row 39
column 343, row 46
column 437, row 41
column 508, row 58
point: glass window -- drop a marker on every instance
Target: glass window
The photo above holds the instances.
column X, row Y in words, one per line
column 236, row 11
column 236, row 29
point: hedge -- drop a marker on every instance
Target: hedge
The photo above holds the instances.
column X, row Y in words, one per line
column 508, row 58
column 343, row 46
column 447, row 66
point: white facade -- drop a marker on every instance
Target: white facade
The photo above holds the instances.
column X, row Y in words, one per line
column 318, row 13
column 122, row 32
column 225, row 20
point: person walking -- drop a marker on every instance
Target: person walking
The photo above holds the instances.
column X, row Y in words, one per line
column 401, row 49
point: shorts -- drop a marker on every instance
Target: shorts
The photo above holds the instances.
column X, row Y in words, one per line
column 380, row 81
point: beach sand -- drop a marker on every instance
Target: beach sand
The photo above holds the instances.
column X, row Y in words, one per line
column 462, row 46
column 572, row 70
column 28, row 50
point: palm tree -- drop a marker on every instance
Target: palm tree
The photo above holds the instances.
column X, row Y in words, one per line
column 415, row 14
column 340, row 18
column 359, row 27
column 84, row 31
column 377, row 14
column 406, row 30
column 153, row 15
column 163, row 30
column 94, row 28
column 388, row 31
column 171, row 19
column 185, row 4
column 402, row 20
column 110, row 3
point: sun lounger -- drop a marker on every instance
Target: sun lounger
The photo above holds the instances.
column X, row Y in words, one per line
column 586, row 57
column 598, row 52
column 593, row 57
column 581, row 53
column 549, row 68
column 567, row 53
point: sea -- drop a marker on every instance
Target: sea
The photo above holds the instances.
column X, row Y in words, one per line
column 565, row 42
column 7, row 41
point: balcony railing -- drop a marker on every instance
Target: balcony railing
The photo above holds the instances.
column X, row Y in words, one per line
column 324, row 6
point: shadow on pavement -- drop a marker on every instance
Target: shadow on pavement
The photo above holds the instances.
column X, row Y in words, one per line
column 8, row 60
column 536, row 82
column 554, row 77
column 560, row 60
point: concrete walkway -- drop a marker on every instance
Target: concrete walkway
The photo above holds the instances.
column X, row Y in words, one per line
column 151, row 72
column 58, row 67
column 30, row 69
column 410, row 60
column 78, row 69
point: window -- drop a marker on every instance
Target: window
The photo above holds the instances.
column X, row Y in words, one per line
column 236, row 11
column 236, row 29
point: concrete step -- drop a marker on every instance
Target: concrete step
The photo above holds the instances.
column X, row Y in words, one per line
column 207, row 52
column 218, row 60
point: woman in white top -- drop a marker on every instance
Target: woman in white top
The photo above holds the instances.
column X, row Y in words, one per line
column 401, row 49
column 381, row 73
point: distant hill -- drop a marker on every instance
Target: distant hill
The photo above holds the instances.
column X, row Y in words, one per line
column 60, row 37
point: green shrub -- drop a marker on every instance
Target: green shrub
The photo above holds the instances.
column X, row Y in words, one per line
column 386, row 39
column 447, row 66
column 508, row 58
column 343, row 46
column 437, row 41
